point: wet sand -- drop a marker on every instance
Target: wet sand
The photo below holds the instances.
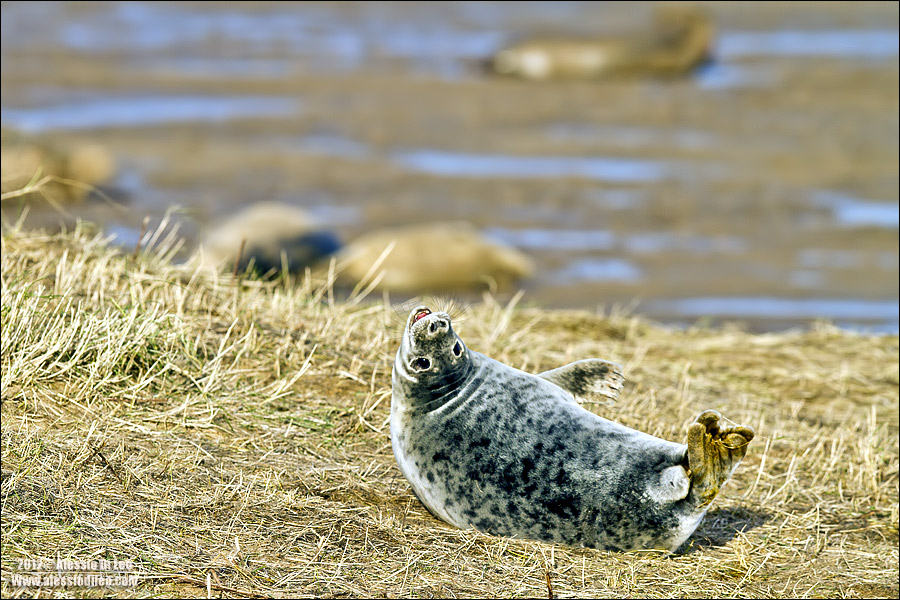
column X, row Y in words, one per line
column 763, row 188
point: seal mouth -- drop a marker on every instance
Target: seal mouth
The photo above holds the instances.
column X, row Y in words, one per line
column 422, row 312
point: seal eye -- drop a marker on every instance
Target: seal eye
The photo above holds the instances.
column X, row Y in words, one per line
column 457, row 349
column 423, row 364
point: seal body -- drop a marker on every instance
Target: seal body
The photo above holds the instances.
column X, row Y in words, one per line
column 431, row 256
column 678, row 41
column 24, row 160
column 490, row 447
column 268, row 235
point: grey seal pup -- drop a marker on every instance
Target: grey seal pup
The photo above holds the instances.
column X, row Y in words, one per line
column 489, row 447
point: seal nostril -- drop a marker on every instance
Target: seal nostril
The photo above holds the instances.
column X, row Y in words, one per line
column 433, row 327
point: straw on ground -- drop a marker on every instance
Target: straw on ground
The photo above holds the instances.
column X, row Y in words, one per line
column 230, row 438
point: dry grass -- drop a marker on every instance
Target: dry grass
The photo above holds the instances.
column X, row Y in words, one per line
column 232, row 440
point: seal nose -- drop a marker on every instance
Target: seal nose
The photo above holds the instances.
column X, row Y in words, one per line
column 437, row 327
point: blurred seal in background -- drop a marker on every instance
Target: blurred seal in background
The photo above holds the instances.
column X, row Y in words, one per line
column 432, row 257
column 266, row 237
column 679, row 40
column 67, row 172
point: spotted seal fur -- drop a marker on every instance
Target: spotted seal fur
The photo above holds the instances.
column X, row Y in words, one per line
column 490, row 447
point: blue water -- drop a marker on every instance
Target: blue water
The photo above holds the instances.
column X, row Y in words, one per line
column 725, row 73
column 136, row 111
column 475, row 165
column 460, row 164
column 656, row 242
column 854, row 212
column 597, row 269
column 305, row 29
column 124, row 236
column 554, row 239
column 148, row 26
column 847, row 43
column 886, row 313
column 567, row 240
column 724, row 76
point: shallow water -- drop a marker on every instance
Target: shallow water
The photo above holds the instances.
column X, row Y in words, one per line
column 762, row 188
column 855, row 212
column 842, row 43
column 456, row 164
column 882, row 315
column 140, row 111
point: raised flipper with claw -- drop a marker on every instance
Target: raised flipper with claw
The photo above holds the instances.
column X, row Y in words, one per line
column 591, row 379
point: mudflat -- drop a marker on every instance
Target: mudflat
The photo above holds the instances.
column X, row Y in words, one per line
column 762, row 187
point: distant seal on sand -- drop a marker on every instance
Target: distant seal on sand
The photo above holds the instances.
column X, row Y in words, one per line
column 431, row 257
column 271, row 233
column 72, row 168
column 679, row 40
column 493, row 448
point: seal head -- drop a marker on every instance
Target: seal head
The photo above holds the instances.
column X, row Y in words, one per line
column 433, row 361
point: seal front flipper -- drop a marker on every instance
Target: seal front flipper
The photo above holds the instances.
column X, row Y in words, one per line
column 713, row 454
column 589, row 379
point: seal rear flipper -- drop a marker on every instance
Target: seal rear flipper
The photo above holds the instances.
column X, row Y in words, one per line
column 713, row 454
column 590, row 379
